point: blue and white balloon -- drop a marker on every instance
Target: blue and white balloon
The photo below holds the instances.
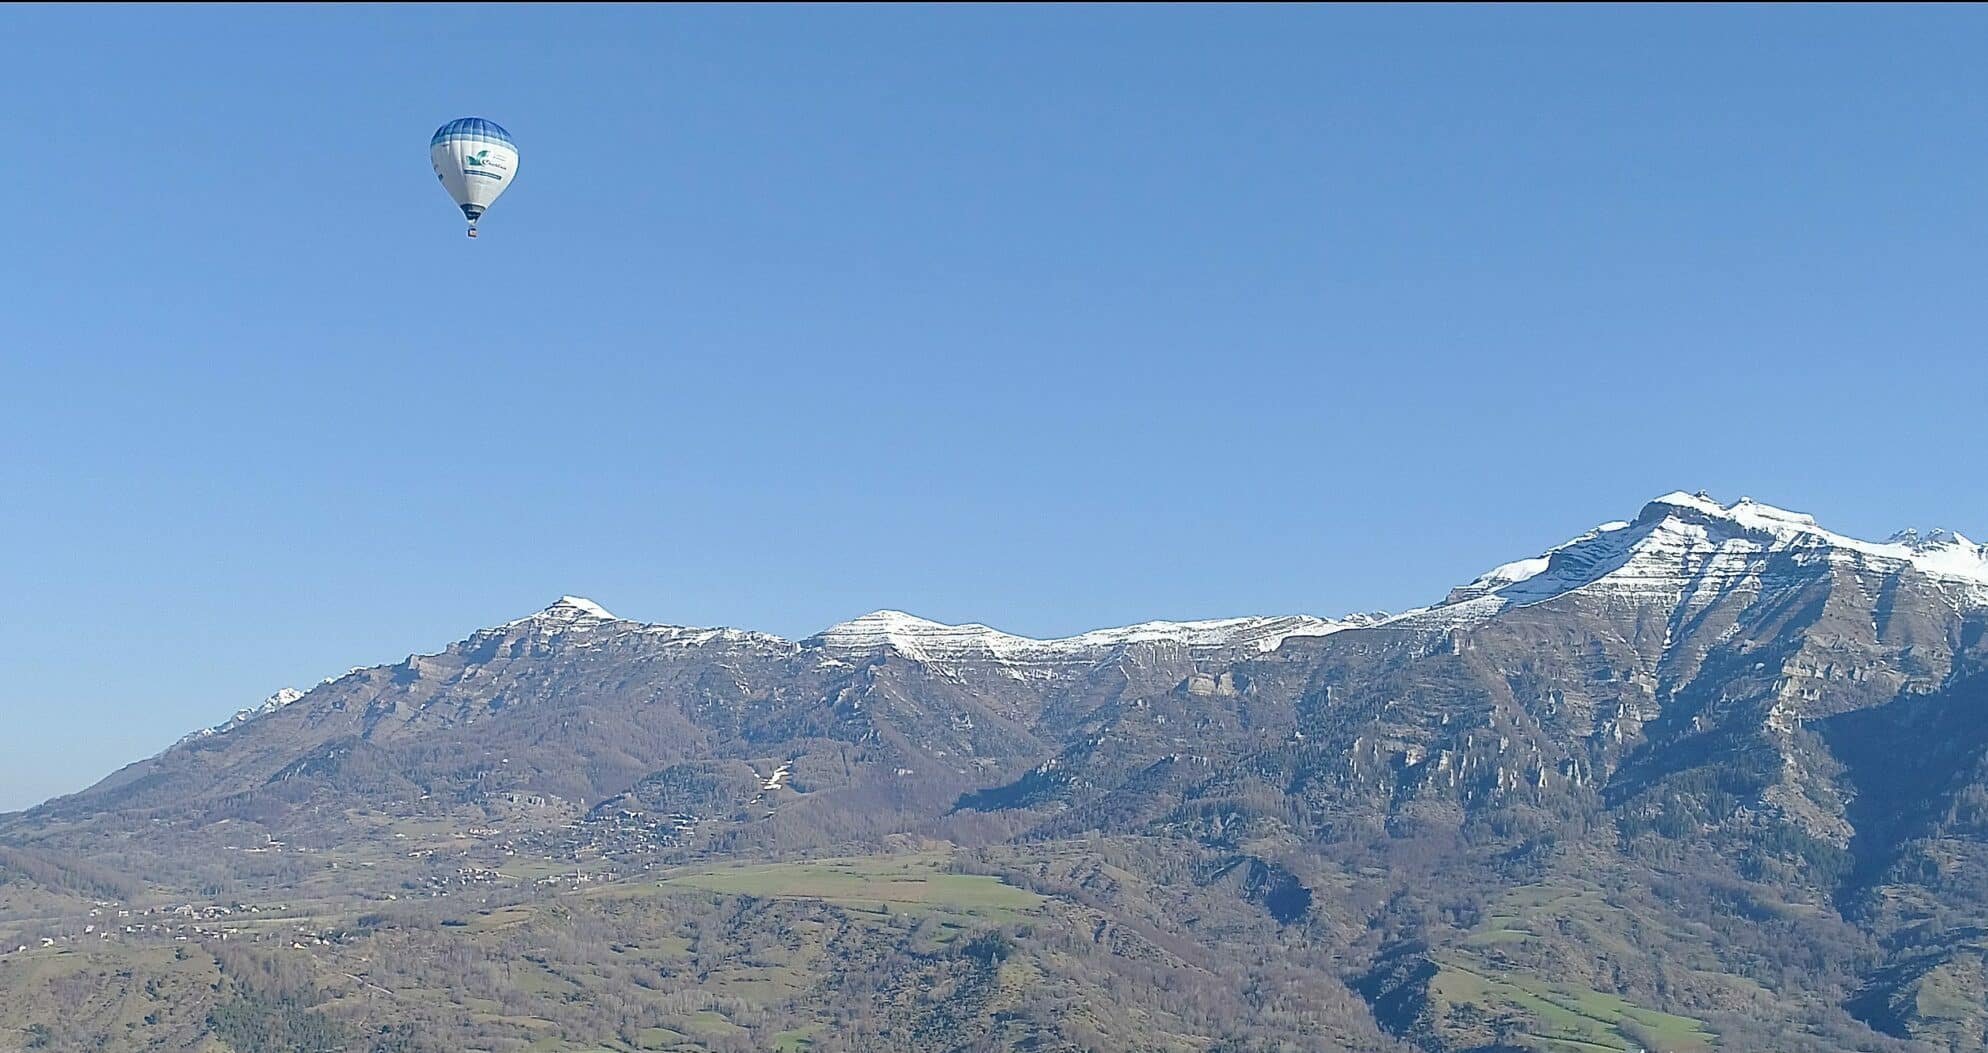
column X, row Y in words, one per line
column 476, row 160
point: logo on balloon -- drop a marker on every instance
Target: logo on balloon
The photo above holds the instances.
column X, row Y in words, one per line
column 476, row 164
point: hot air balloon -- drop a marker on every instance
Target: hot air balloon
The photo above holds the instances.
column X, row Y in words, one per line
column 476, row 160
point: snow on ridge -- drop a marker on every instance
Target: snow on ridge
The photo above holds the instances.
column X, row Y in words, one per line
column 575, row 615
column 1682, row 548
column 1689, row 545
column 916, row 637
column 697, row 636
column 1936, row 553
column 1265, row 632
column 924, row 639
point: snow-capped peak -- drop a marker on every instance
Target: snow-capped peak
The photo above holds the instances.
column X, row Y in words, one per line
column 268, row 705
column 1939, row 553
column 281, row 698
column 570, row 607
column 913, row 637
column 924, row 639
column 1745, row 511
column 566, row 611
column 1689, row 542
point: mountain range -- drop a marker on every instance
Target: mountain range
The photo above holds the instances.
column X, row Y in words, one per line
column 1711, row 778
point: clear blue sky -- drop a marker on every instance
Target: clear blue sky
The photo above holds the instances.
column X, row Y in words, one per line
column 1047, row 318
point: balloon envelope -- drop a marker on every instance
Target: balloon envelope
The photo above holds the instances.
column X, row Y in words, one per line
column 476, row 160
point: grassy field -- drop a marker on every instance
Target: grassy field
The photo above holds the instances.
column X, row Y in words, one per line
column 1480, row 986
column 910, row 882
column 1947, row 998
column 799, row 1040
column 1561, row 1018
